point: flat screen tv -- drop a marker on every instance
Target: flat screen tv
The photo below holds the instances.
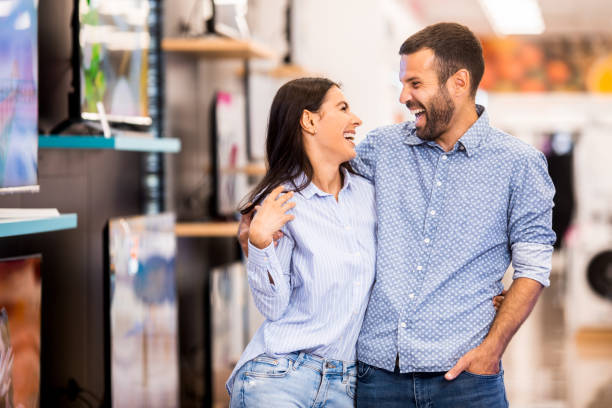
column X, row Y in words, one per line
column 20, row 308
column 142, row 321
column 18, row 96
column 114, row 40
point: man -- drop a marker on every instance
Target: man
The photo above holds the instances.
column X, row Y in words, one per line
column 456, row 201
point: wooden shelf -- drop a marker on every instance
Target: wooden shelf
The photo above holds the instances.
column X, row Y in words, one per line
column 15, row 227
column 206, row 229
column 135, row 144
column 218, row 47
column 249, row 170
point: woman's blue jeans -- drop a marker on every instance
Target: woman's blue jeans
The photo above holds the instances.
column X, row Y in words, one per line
column 294, row 380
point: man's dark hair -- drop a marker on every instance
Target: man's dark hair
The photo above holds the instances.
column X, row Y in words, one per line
column 454, row 46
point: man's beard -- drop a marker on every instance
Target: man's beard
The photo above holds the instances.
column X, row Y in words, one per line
column 437, row 115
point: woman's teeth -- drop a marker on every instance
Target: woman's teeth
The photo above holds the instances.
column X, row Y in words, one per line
column 349, row 136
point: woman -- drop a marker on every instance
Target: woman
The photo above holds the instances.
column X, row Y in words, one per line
column 313, row 288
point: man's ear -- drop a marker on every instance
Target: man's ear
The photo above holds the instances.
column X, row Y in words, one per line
column 460, row 82
column 307, row 121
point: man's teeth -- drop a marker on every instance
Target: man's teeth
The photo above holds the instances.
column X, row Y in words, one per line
column 417, row 111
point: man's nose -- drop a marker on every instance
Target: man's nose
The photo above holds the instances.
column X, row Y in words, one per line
column 405, row 96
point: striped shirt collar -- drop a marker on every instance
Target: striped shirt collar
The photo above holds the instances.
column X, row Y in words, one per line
column 311, row 189
column 470, row 139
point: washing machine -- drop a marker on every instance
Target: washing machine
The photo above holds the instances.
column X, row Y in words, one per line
column 589, row 252
column 589, row 278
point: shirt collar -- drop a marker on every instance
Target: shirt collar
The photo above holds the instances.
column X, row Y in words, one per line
column 470, row 139
column 311, row 189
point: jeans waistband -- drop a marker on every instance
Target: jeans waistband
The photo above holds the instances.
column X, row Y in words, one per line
column 323, row 365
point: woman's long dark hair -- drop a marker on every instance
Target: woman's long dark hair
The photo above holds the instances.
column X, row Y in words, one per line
column 284, row 145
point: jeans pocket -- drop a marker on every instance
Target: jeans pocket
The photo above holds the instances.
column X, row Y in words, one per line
column 351, row 386
column 363, row 370
column 485, row 376
column 268, row 367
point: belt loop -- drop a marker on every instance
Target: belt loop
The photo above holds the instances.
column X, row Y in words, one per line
column 299, row 360
column 344, row 372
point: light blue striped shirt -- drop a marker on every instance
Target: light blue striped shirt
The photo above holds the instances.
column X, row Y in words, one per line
column 323, row 270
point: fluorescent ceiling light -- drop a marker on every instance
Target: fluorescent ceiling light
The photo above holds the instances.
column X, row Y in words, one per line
column 514, row 17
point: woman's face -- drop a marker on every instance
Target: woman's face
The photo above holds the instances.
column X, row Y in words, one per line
column 334, row 126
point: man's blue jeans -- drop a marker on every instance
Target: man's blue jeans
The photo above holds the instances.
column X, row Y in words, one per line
column 381, row 388
column 294, row 380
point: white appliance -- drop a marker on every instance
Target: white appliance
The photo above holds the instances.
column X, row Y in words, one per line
column 589, row 249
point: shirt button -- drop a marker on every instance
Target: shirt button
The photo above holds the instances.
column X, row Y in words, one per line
column 419, row 268
column 433, row 212
column 438, row 183
column 426, row 240
column 461, row 147
column 348, row 228
column 411, row 296
column 357, row 283
column 403, row 325
column 444, row 157
column 357, row 254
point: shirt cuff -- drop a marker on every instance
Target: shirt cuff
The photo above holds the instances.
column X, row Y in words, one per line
column 260, row 257
column 260, row 263
column 532, row 261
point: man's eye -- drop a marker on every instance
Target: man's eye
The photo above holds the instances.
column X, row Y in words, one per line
column 415, row 84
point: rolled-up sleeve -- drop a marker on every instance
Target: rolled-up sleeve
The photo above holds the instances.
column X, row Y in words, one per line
column 530, row 220
column 270, row 298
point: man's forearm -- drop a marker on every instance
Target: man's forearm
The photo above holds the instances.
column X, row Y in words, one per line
column 520, row 300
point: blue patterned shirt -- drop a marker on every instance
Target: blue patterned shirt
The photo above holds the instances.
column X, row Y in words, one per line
column 449, row 223
column 323, row 270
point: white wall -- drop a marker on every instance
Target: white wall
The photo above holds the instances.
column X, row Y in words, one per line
column 352, row 42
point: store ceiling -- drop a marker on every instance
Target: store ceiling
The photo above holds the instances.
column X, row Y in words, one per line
column 560, row 16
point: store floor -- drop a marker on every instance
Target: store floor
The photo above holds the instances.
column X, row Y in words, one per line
column 545, row 366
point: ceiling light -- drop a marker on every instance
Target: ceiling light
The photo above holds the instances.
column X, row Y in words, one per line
column 514, row 17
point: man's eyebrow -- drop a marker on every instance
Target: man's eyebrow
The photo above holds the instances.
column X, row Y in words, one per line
column 412, row 78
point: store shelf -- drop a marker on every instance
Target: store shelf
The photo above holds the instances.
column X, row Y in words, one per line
column 249, row 170
column 206, row 229
column 218, row 47
column 136, row 144
column 14, row 227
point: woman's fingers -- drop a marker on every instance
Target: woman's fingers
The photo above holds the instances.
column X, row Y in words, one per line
column 285, row 197
column 275, row 193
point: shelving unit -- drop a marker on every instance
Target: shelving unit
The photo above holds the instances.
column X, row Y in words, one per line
column 136, row 144
column 16, row 227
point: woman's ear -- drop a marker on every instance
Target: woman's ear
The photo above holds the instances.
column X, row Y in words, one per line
column 307, row 121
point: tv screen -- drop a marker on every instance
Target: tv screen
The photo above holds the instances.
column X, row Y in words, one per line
column 114, row 39
column 20, row 299
column 18, row 96
column 142, row 311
